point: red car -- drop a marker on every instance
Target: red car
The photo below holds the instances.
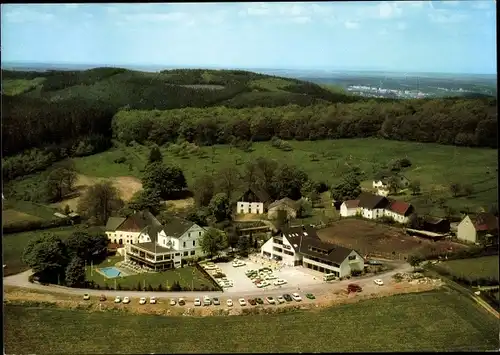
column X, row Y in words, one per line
column 353, row 288
column 252, row 301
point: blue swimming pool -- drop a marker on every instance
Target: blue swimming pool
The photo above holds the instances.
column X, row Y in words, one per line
column 110, row 272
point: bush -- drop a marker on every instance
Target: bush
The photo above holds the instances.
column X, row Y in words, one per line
column 176, row 286
column 356, row 272
column 26, row 226
column 149, row 288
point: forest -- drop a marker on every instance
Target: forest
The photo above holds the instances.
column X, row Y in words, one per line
column 48, row 116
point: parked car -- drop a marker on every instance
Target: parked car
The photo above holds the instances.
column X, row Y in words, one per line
column 142, row 300
column 102, row 298
column 259, row 300
column 287, row 297
column 271, row 277
column 353, row 288
column 182, row 302
column 118, row 299
column 207, row 301
column 270, row 300
column 378, row 282
column 281, row 300
column 216, row 301
column 172, row 302
column 263, row 284
column 229, row 303
column 296, row 297
column 279, row 282
column 310, row 296
column 242, row 302
column 252, row 301
column 86, row 297
column 197, row 302
column 126, row 300
column 152, row 300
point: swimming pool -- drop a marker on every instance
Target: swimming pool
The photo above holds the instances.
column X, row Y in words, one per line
column 110, row 272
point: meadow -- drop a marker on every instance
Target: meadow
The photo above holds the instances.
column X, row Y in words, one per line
column 430, row 321
column 472, row 269
column 13, row 245
column 434, row 165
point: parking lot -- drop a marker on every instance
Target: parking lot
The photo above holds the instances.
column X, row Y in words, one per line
column 294, row 276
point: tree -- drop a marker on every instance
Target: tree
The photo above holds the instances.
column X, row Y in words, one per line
column 414, row 261
column 265, row 171
column 75, row 273
column 305, row 208
column 99, row 202
column 199, row 216
column 87, row 246
column 288, row 182
column 415, row 187
column 146, row 200
column 393, row 183
column 47, row 257
column 220, row 207
column 203, row 190
column 59, row 183
column 67, row 210
column 164, row 179
column 155, row 155
column 213, row 241
column 250, row 174
column 281, row 219
column 348, row 189
column 455, row 188
column 227, row 179
column 468, row 189
column 244, row 245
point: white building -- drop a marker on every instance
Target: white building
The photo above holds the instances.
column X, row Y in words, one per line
column 254, row 201
column 302, row 246
column 372, row 206
column 349, row 208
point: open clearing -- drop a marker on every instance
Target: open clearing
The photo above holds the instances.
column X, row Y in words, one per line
column 433, row 165
column 380, row 240
column 429, row 321
column 472, row 269
column 12, row 216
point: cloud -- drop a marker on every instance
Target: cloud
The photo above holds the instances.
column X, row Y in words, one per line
column 156, row 17
column 417, row 4
column 301, row 19
column 481, row 5
column 72, row 6
column 351, row 25
column 257, row 9
column 445, row 17
column 389, row 10
column 23, row 15
column 450, row 3
column 401, row 26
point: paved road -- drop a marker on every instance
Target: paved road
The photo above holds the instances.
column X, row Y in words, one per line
column 21, row 280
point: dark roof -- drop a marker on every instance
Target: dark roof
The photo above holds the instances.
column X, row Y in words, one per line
column 400, row 207
column 284, row 201
column 114, row 222
column 138, row 221
column 485, row 222
column 153, row 230
column 352, row 203
column 434, row 220
column 371, row 201
column 152, row 246
column 305, row 238
column 261, row 194
column 175, row 227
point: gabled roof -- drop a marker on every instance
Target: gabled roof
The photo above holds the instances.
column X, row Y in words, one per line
column 485, row 222
column 433, row 220
column 153, row 247
column 176, row 227
column 352, row 203
column 138, row 221
column 371, row 201
column 284, row 201
column 400, row 207
column 114, row 222
column 261, row 194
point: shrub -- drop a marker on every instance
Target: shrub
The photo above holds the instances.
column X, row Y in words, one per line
column 149, row 288
column 119, row 287
column 356, row 272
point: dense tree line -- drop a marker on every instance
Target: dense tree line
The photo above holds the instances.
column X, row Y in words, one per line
column 456, row 122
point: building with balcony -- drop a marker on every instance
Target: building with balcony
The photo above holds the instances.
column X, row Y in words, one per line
column 302, row 246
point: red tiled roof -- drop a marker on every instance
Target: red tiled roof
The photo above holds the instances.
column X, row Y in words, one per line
column 400, row 207
column 352, row 203
column 485, row 222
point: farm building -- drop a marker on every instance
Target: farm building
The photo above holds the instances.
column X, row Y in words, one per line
column 479, row 228
column 286, row 204
column 302, row 246
column 436, row 225
column 254, row 201
column 349, row 208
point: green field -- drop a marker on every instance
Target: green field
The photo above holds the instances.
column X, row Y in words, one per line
column 435, row 166
column 19, row 86
column 432, row 321
column 187, row 277
column 472, row 269
column 13, row 245
column 35, row 209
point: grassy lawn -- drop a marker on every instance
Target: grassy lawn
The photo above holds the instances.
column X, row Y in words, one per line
column 431, row 321
column 483, row 267
column 187, row 276
column 19, row 86
column 30, row 208
column 13, row 245
column 12, row 216
column 433, row 165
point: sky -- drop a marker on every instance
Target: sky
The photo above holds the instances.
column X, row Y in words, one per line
column 412, row 36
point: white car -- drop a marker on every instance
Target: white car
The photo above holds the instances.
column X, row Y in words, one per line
column 378, row 282
column 271, row 277
column 118, row 299
column 279, row 282
column 296, row 297
column 152, row 300
column 142, row 300
column 126, row 300
column 207, row 301
column 229, row 303
column 86, row 297
column 263, row 284
column 270, row 300
column 172, row 302
column 281, row 299
column 238, row 263
column 197, row 302
column 242, row 302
